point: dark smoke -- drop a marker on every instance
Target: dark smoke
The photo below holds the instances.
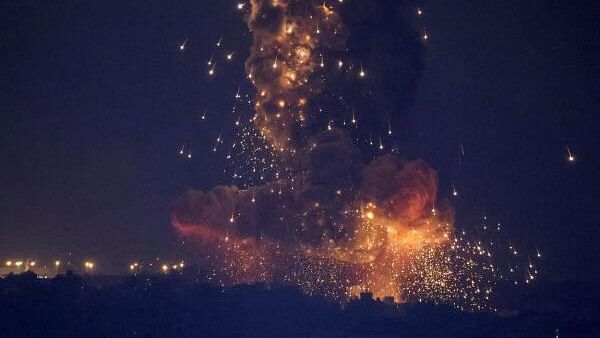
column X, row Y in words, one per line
column 405, row 191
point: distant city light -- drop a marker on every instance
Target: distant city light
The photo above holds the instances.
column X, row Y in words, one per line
column 89, row 266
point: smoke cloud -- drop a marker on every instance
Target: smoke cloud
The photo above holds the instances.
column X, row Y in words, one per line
column 331, row 222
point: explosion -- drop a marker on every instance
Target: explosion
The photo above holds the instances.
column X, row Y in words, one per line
column 318, row 216
column 290, row 41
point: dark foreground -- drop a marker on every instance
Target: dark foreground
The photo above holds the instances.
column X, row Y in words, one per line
column 181, row 306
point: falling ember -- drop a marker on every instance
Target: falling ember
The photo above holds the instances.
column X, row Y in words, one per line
column 454, row 192
column 183, row 46
column 570, row 155
column 319, row 217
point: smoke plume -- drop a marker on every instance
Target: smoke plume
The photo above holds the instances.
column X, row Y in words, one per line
column 334, row 223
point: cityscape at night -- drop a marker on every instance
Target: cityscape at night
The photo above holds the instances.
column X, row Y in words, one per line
column 300, row 168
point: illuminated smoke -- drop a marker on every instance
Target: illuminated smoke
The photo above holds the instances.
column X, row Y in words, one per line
column 336, row 226
column 331, row 224
column 291, row 39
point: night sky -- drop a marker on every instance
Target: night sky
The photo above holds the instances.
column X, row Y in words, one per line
column 96, row 98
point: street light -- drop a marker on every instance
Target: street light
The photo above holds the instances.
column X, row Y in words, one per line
column 89, row 266
column 56, row 266
column 135, row 267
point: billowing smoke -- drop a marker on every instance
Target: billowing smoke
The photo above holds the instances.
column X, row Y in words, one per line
column 334, row 223
column 290, row 41
column 317, row 206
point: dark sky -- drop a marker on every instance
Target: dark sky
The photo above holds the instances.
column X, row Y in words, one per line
column 96, row 98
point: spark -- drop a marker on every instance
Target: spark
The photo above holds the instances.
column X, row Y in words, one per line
column 454, row 192
column 570, row 155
